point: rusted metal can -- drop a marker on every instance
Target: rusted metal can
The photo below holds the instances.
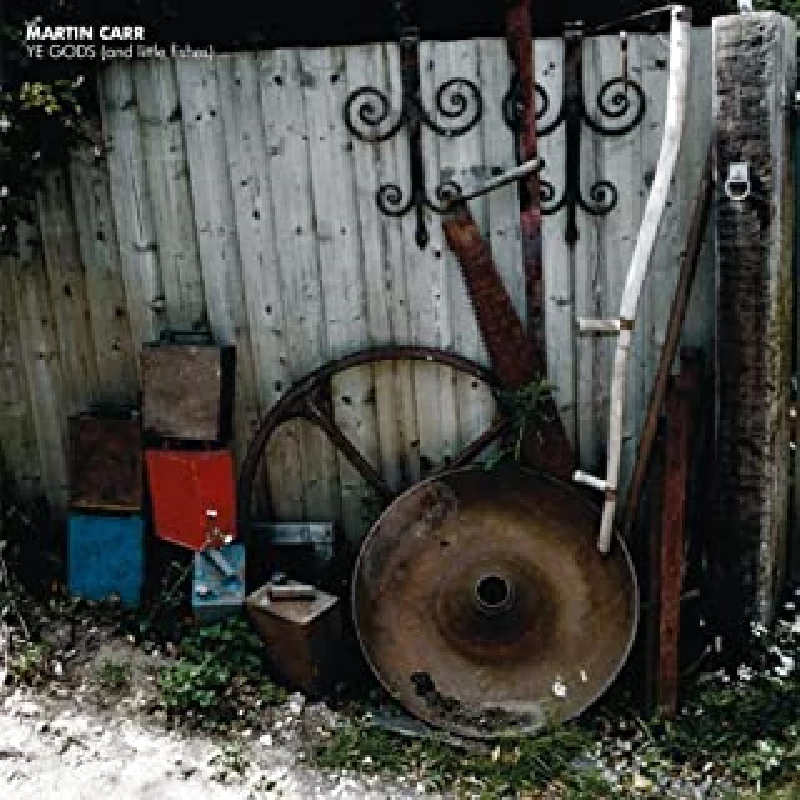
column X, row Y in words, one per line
column 218, row 583
column 105, row 461
column 303, row 636
column 188, row 389
column 193, row 496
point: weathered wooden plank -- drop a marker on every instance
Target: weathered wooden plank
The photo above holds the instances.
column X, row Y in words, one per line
column 105, row 287
column 753, row 82
column 67, row 282
column 341, row 271
column 130, row 194
column 43, row 370
column 17, row 431
column 164, row 151
column 461, row 158
column 699, row 325
column 286, row 139
column 588, row 264
column 377, row 164
column 250, row 181
column 426, row 275
column 216, row 231
column 558, row 271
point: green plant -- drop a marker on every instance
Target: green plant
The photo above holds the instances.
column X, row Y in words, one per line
column 30, row 666
column 527, row 408
column 219, row 678
column 114, row 675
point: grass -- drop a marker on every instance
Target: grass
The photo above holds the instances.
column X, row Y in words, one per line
column 114, row 675
column 508, row 769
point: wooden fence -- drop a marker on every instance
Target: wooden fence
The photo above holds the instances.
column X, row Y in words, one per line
column 233, row 195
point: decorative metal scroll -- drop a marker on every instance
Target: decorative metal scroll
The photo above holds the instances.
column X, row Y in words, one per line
column 368, row 116
column 620, row 100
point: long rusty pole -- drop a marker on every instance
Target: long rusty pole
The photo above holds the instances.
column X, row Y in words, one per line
column 519, row 39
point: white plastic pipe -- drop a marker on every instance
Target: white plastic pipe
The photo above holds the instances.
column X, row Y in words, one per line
column 677, row 88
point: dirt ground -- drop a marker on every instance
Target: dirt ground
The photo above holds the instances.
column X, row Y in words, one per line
column 81, row 742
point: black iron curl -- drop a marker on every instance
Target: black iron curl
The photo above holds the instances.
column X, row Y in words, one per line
column 618, row 99
column 372, row 109
column 603, row 197
column 390, row 200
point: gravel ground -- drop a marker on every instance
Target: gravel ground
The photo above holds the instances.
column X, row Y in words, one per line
column 77, row 741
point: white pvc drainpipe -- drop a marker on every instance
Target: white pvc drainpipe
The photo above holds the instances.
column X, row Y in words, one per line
column 680, row 35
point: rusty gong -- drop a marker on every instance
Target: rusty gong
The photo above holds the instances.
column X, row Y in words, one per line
column 484, row 607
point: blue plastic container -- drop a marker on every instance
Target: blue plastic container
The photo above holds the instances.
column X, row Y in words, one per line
column 218, row 586
column 106, row 557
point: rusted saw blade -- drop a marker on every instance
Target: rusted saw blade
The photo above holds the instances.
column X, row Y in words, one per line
column 484, row 607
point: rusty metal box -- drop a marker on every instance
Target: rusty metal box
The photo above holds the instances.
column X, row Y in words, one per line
column 192, row 495
column 105, row 461
column 188, row 388
column 218, row 583
column 303, row 636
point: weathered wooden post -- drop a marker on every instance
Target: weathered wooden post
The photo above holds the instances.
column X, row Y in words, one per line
column 754, row 80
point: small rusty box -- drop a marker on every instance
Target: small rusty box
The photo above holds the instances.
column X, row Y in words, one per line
column 193, row 495
column 303, row 636
column 105, row 461
column 188, row 389
column 218, row 583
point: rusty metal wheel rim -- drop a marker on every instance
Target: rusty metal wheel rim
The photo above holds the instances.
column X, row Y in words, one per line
column 473, row 725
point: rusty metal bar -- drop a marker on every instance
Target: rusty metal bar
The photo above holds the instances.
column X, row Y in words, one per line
column 499, row 428
column 519, row 39
column 349, row 450
column 679, row 406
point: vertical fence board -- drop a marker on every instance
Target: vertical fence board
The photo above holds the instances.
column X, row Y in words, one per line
column 461, row 159
column 168, row 180
column 67, row 282
column 17, row 432
column 250, row 181
column 559, row 291
column 286, row 133
column 216, row 231
column 339, row 252
column 133, row 209
column 43, row 370
column 105, row 287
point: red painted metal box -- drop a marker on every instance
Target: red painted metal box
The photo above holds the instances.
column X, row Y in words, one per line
column 192, row 495
column 188, row 389
column 105, row 461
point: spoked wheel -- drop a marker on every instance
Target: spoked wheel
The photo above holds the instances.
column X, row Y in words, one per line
column 310, row 399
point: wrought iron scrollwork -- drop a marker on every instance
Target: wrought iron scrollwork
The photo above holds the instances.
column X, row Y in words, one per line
column 458, row 106
column 620, row 102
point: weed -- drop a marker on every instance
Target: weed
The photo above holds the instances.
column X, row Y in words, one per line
column 30, row 666
column 220, row 677
column 522, row 765
column 114, row 675
column 526, row 408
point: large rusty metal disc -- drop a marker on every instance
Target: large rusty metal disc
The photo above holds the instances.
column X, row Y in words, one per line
column 484, row 607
